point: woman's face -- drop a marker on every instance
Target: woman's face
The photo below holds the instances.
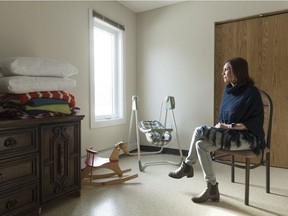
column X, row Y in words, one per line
column 228, row 74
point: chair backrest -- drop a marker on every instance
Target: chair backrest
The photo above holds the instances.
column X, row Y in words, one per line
column 268, row 114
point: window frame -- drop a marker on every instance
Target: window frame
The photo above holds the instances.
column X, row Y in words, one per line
column 120, row 100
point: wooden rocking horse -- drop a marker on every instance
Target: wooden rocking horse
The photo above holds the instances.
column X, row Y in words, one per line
column 94, row 162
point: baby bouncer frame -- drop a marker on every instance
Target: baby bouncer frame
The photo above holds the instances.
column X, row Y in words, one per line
column 155, row 132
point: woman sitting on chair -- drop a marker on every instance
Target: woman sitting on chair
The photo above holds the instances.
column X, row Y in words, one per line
column 240, row 127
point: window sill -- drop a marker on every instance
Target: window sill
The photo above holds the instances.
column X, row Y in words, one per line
column 107, row 123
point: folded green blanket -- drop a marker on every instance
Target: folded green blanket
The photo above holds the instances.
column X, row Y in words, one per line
column 61, row 108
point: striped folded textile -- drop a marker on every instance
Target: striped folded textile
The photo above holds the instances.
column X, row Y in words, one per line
column 25, row 97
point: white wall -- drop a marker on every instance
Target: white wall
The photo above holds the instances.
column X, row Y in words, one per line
column 59, row 30
column 175, row 56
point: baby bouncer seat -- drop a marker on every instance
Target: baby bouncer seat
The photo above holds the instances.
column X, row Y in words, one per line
column 156, row 133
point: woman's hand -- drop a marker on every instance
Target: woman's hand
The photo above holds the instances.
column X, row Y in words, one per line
column 237, row 126
column 222, row 125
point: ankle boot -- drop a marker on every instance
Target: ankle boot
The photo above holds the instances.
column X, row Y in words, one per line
column 211, row 192
column 183, row 170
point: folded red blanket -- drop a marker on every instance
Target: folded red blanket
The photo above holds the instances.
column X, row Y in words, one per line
column 25, row 97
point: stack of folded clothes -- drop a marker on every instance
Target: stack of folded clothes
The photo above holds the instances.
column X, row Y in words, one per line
column 36, row 88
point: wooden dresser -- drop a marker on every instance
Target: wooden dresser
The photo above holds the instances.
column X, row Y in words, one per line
column 39, row 162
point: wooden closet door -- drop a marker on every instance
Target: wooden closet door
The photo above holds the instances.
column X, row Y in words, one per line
column 263, row 41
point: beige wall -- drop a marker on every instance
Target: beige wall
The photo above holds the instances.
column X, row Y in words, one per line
column 59, row 30
column 175, row 56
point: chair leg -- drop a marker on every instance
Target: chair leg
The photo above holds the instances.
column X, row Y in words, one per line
column 247, row 181
column 268, row 172
column 232, row 169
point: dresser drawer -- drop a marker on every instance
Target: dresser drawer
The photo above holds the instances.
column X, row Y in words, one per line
column 14, row 142
column 19, row 170
column 19, row 200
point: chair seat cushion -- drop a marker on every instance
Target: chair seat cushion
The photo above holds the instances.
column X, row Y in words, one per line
column 242, row 153
column 155, row 132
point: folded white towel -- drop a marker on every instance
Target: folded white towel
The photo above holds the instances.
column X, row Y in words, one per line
column 25, row 84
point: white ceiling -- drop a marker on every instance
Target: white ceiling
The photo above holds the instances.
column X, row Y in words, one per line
column 141, row 6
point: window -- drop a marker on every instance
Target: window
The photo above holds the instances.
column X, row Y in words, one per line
column 107, row 77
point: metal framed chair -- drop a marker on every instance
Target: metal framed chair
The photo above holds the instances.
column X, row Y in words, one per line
column 220, row 155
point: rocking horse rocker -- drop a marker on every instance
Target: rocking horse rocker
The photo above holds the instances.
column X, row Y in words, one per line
column 94, row 162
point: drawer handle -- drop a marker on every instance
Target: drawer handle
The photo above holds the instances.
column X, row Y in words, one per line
column 11, row 204
column 10, row 142
column 1, row 175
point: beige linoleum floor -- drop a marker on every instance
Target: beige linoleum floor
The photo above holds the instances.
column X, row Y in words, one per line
column 153, row 193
